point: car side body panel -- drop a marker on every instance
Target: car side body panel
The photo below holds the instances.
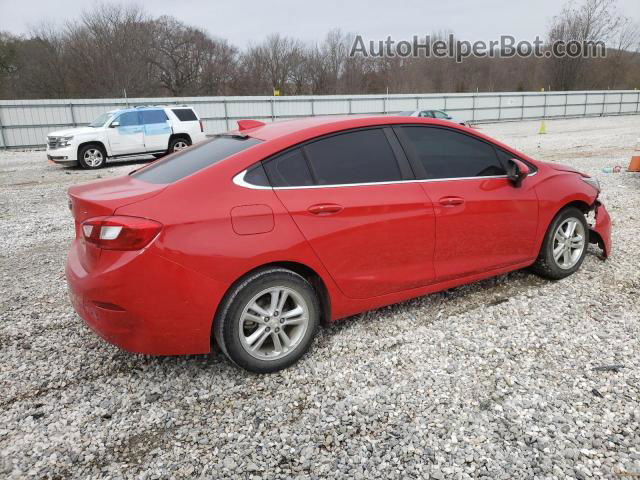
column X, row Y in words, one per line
column 163, row 299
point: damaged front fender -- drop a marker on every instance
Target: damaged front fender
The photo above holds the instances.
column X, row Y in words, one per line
column 600, row 232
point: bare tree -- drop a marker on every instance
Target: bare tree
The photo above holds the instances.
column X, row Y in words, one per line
column 591, row 21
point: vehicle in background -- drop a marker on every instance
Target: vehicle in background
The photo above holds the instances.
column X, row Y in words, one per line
column 254, row 237
column 126, row 132
column 438, row 114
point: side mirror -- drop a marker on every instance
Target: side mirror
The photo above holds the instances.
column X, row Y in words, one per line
column 517, row 171
column 114, row 124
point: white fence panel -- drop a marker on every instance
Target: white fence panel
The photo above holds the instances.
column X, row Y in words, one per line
column 25, row 123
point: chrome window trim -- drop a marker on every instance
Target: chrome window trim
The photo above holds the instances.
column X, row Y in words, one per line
column 240, row 181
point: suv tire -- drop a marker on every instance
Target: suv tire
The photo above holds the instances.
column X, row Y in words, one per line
column 92, row 156
column 178, row 143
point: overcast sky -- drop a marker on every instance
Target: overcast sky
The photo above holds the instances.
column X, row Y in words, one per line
column 245, row 21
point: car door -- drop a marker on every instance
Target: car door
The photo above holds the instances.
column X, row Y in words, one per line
column 126, row 134
column 369, row 224
column 483, row 222
column 156, row 130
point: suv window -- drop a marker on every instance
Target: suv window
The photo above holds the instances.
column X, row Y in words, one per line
column 445, row 153
column 192, row 159
column 129, row 119
column 185, row 114
column 289, row 169
column 439, row 114
column 362, row 156
column 153, row 116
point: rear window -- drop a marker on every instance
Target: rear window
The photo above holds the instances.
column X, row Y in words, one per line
column 192, row 159
column 185, row 114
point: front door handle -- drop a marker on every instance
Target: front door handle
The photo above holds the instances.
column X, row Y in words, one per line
column 325, row 209
column 451, row 201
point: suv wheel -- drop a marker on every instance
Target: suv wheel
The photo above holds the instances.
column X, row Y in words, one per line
column 268, row 320
column 92, row 156
column 564, row 246
column 177, row 144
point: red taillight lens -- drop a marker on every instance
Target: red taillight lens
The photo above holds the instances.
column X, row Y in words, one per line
column 201, row 126
column 120, row 232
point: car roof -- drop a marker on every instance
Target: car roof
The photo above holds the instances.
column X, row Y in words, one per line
column 320, row 125
column 289, row 132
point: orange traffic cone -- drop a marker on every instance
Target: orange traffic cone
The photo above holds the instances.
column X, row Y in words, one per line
column 634, row 165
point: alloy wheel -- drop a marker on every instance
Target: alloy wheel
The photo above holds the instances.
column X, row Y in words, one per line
column 569, row 242
column 273, row 323
column 93, row 157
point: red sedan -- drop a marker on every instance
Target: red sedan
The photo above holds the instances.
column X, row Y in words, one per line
column 257, row 236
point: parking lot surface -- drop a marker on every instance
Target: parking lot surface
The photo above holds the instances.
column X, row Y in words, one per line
column 511, row 377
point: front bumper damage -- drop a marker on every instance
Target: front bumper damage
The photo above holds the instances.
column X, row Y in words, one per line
column 600, row 231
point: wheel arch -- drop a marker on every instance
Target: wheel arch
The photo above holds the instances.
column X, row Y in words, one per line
column 186, row 136
column 308, row 273
column 92, row 142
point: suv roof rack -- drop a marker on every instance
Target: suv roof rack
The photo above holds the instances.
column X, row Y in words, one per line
column 164, row 105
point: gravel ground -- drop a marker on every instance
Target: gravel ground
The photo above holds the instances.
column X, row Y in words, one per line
column 497, row 379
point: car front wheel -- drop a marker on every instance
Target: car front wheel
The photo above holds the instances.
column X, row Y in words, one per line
column 564, row 246
column 92, row 156
column 268, row 321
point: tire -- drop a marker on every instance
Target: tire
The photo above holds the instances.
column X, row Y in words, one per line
column 248, row 337
column 178, row 143
column 555, row 267
column 92, row 156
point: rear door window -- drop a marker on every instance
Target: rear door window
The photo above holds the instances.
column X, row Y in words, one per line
column 153, row 116
column 185, row 114
column 289, row 169
column 361, row 156
column 444, row 153
column 194, row 158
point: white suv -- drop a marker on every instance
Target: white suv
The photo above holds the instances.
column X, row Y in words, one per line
column 129, row 132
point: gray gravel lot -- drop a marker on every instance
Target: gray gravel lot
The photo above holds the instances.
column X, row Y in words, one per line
column 491, row 380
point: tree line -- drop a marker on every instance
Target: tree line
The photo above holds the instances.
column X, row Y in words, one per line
column 113, row 50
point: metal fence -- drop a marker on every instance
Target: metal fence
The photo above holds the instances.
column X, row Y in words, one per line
column 25, row 123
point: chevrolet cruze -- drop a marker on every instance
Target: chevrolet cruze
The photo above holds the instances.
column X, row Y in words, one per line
column 255, row 237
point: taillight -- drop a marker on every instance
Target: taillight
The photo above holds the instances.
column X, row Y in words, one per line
column 201, row 126
column 120, row 232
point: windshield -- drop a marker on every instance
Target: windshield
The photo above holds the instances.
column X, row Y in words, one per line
column 101, row 120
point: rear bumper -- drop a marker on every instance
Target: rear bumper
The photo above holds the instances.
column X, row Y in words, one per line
column 144, row 303
column 601, row 230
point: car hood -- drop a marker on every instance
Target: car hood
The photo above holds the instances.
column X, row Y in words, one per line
column 563, row 168
column 70, row 132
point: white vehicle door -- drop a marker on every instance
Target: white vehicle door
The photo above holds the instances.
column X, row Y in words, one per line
column 126, row 134
column 156, row 130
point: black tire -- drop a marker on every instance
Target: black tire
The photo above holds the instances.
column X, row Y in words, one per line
column 227, row 324
column 88, row 160
column 176, row 142
column 546, row 265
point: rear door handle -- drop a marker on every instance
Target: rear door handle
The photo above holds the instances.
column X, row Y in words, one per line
column 325, row 209
column 451, row 201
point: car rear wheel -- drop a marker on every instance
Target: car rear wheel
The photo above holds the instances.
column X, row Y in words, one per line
column 564, row 246
column 92, row 156
column 177, row 144
column 268, row 320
